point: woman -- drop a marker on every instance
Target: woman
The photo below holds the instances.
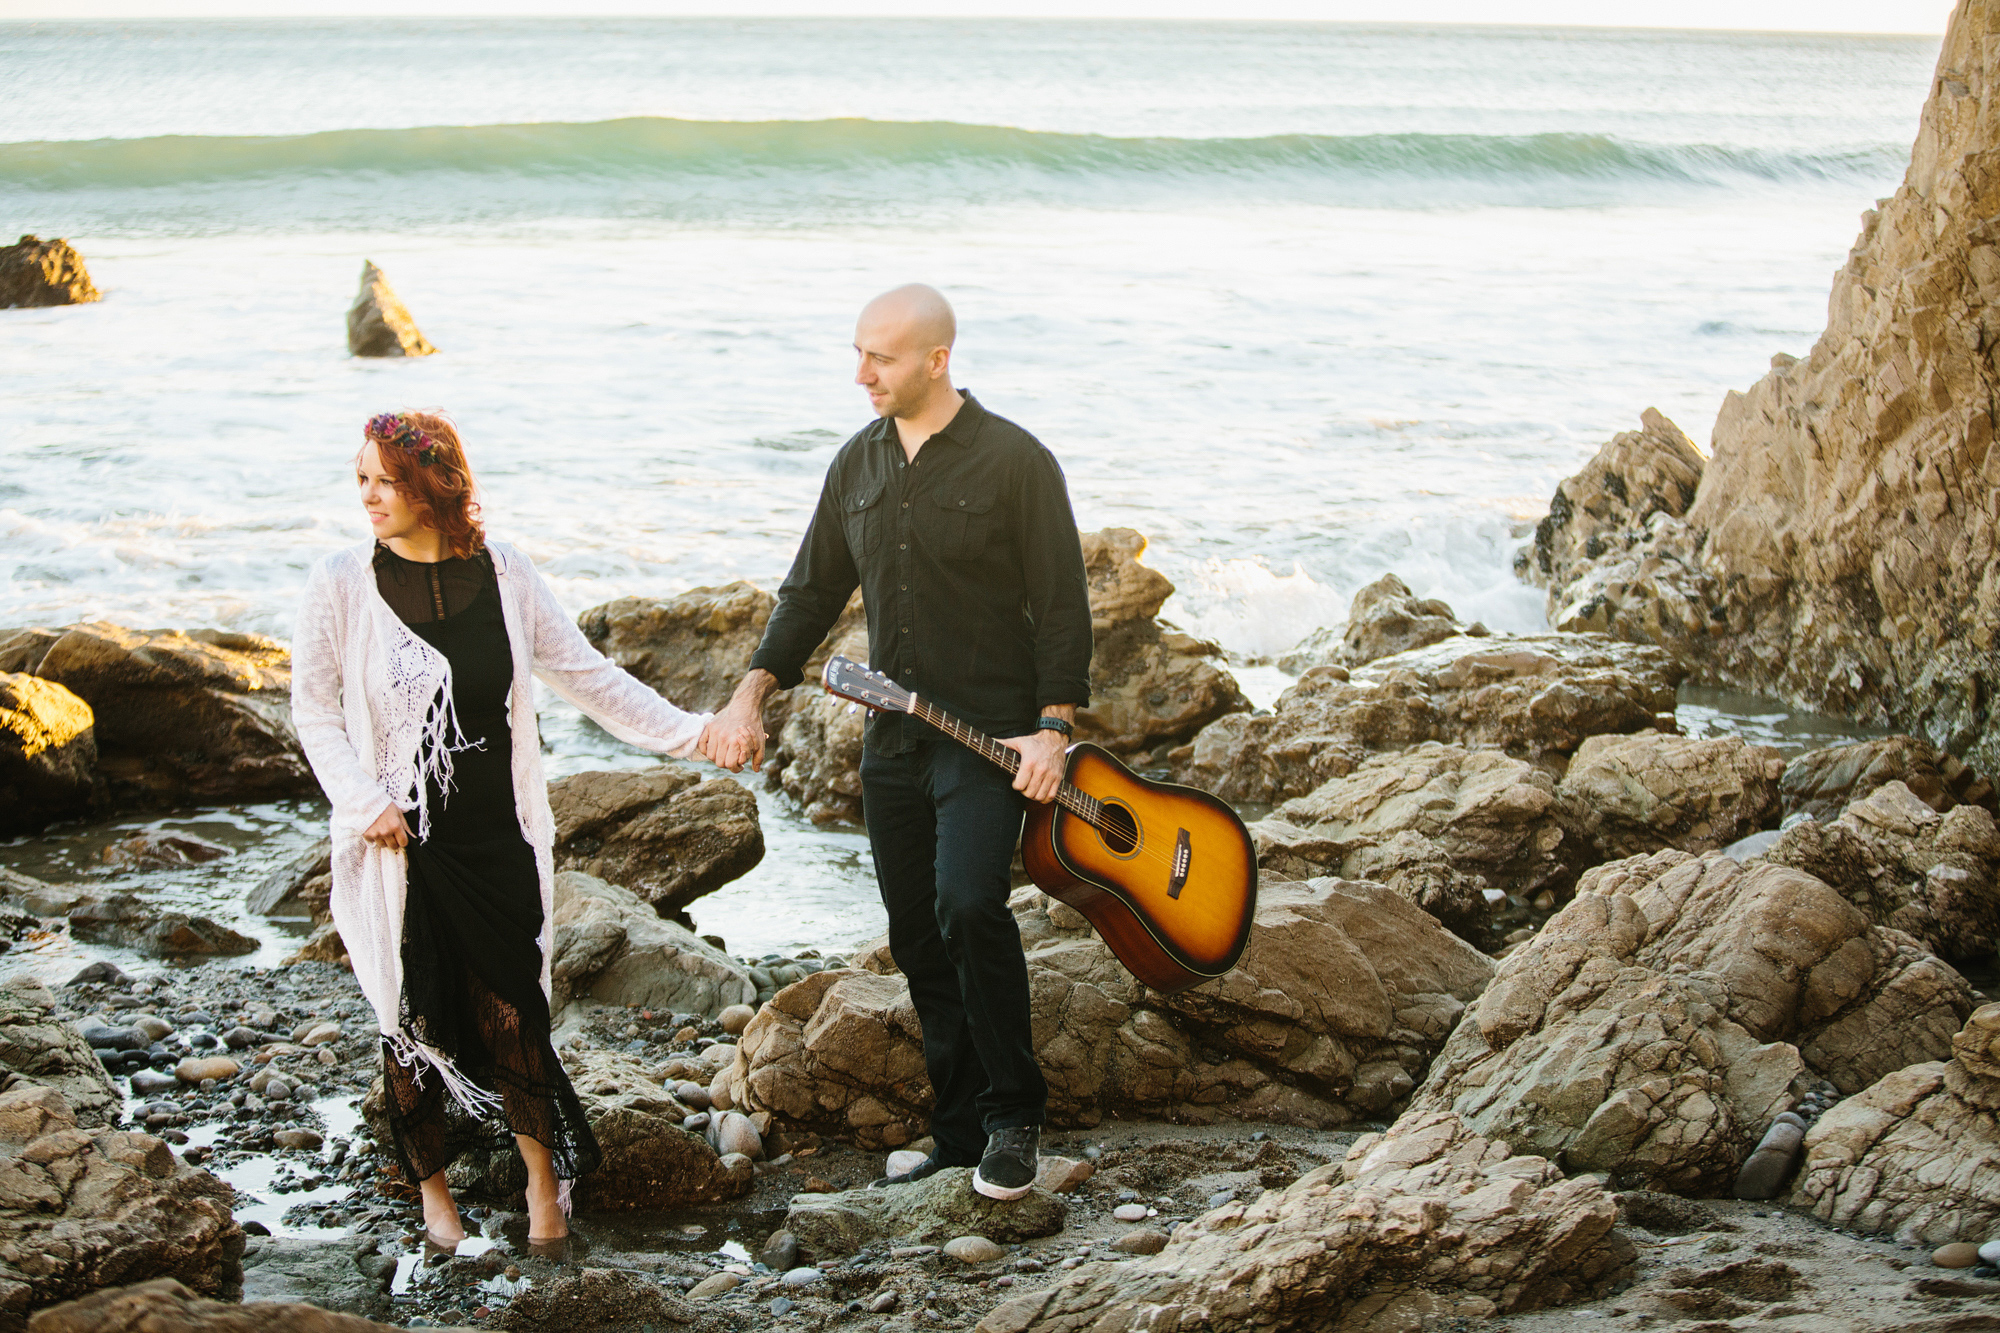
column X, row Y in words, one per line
column 412, row 695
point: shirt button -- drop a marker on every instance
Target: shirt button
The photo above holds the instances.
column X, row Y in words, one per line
column 906, row 629
column 906, row 504
column 902, row 546
column 904, row 588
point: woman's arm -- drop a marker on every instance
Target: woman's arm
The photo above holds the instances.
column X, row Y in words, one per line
column 613, row 698
column 358, row 799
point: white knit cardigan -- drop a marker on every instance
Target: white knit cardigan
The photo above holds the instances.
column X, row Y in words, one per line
column 366, row 695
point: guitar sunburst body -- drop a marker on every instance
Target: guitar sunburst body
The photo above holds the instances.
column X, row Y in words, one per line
column 1170, row 883
column 1166, row 874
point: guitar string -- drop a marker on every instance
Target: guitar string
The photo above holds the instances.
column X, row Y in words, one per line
column 1085, row 806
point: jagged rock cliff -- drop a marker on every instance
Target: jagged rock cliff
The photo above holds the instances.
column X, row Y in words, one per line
column 1840, row 550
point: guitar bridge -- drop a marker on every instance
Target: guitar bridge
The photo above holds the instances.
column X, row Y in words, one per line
column 1183, row 857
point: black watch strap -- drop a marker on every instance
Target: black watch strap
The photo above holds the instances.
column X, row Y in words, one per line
column 1054, row 724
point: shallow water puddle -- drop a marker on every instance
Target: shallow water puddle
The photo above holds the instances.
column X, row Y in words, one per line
column 263, row 1181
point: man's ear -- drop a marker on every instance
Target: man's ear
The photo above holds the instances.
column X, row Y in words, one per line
column 940, row 361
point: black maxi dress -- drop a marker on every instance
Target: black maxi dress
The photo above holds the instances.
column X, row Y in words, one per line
column 472, row 963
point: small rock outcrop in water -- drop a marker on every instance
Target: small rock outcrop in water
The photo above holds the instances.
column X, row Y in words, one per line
column 379, row 324
column 182, row 717
column 48, row 753
column 34, row 272
column 1484, row 1231
column 661, row 832
column 692, row 648
column 1842, row 545
column 1341, row 996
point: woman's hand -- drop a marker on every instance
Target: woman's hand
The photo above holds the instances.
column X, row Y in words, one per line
column 388, row 830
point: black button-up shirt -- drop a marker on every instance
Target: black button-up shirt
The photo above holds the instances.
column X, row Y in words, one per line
column 969, row 566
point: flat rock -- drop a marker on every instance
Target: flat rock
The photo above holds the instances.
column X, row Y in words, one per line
column 930, row 1211
column 306, row 1139
column 165, row 1306
column 615, row 949
column 661, row 833
column 594, row 1298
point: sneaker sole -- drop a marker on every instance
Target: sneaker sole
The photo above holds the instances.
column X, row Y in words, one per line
column 1004, row 1193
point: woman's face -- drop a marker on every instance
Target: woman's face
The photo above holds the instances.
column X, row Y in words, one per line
column 389, row 514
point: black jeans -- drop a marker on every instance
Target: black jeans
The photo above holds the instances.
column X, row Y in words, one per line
column 943, row 823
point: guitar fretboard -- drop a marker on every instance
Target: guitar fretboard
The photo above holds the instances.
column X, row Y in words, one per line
column 1087, row 808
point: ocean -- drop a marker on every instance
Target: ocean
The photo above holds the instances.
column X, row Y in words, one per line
column 1303, row 303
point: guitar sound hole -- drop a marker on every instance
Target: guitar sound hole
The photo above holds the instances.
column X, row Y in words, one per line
column 1118, row 829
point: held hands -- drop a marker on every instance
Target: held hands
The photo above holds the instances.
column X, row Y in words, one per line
column 731, row 740
column 388, row 830
column 1042, row 758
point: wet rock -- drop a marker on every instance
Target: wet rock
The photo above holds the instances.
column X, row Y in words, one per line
column 614, row 948
column 1438, row 823
column 196, row 1068
column 130, row 923
column 1150, row 684
column 661, row 832
column 930, row 1211
column 1530, row 696
column 973, row 1250
column 42, row 898
column 48, row 753
column 1386, row 618
column 379, row 324
column 1584, row 551
column 592, row 1298
column 1905, row 866
column 1429, row 1196
column 692, row 648
column 37, row 1049
column 300, row 887
column 345, row 1275
column 165, row 1306
column 1822, row 783
column 1629, row 795
column 1343, row 992
column 196, row 717
column 305, row 1140
column 157, row 850
column 147, row 1082
column 35, row 272
column 84, row 1210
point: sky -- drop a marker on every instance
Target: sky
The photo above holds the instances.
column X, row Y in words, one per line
column 1898, row 16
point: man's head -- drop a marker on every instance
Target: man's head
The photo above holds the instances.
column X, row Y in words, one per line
column 903, row 342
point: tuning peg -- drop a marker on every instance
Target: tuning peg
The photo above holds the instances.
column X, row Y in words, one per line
column 854, row 708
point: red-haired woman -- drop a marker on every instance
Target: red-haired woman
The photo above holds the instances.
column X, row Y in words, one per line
column 412, row 696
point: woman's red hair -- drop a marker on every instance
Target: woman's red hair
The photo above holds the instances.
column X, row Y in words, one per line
column 442, row 495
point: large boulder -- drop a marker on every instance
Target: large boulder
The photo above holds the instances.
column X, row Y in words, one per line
column 1584, row 548
column 1533, row 696
column 1822, row 783
column 1841, row 551
column 1917, row 1153
column 182, row 717
column 379, row 324
column 1628, row 795
column 1439, row 823
column 1150, row 684
column 37, row 1049
column 48, row 753
column 1582, row 1053
column 692, row 648
column 35, row 272
column 661, row 832
column 1342, row 995
column 612, row 947
column 1430, row 1219
column 82, row 1210
column 163, row 1305
column 1935, row 877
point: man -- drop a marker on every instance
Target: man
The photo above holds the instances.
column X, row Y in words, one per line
column 956, row 525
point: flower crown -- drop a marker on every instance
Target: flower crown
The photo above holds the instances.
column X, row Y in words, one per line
column 392, row 428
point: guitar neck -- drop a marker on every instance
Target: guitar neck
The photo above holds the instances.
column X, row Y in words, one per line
column 1068, row 797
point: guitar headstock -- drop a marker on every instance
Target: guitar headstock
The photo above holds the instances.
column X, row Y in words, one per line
column 850, row 680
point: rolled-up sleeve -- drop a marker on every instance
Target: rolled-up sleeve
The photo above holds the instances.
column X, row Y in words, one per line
column 812, row 596
column 1052, row 573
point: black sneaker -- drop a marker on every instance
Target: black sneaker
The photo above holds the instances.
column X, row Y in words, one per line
column 1008, row 1169
column 923, row 1170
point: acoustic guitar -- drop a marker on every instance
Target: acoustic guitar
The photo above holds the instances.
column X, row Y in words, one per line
column 1166, row 874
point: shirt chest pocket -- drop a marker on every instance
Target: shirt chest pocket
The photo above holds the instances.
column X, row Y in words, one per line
column 861, row 519
column 961, row 522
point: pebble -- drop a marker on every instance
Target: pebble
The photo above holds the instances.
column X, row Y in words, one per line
column 714, row 1285
column 101, row 1037
column 239, row 1037
column 802, row 1277
column 735, row 1133
column 148, row 1081
column 691, row 1095
column 1130, row 1212
column 320, row 1035
column 195, row 1069
column 907, row 1159
column 1958, row 1254
column 696, row 1122
column 780, row 1253
column 1990, row 1252
column 1221, row 1197
column 298, row 1138
column 973, row 1250
column 1145, row 1240
column 912, row 1251
column 884, row 1302
column 735, row 1018
column 781, row 1307
column 156, row 1029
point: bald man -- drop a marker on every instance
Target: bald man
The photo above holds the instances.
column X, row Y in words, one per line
column 956, row 526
